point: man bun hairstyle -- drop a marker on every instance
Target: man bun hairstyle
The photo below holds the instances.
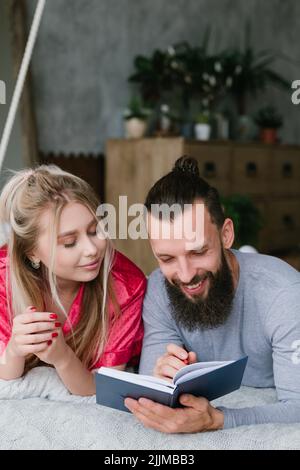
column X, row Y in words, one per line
column 184, row 185
column 186, row 165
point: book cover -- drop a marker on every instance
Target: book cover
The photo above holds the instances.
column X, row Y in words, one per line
column 210, row 380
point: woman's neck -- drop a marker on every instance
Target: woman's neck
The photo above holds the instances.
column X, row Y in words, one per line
column 67, row 289
column 67, row 292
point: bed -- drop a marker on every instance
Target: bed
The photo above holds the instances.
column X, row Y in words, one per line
column 37, row 412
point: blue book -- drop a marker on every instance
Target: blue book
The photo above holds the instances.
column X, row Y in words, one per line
column 210, row 380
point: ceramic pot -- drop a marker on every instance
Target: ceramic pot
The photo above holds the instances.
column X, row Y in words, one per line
column 135, row 128
column 268, row 136
column 202, row 131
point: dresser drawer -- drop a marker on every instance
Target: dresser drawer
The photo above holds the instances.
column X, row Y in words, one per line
column 250, row 170
column 214, row 164
column 284, row 224
column 285, row 172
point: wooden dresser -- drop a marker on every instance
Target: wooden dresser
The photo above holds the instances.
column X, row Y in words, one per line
column 269, row 174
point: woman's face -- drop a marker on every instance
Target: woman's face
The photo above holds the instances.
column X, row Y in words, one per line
column 79, row 252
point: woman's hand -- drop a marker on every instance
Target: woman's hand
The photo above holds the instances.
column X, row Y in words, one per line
column 32, row 332
column 172, row 361
column 57, row 353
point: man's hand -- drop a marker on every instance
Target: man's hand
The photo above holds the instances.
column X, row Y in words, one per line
column 172, row 361
column 197, row 416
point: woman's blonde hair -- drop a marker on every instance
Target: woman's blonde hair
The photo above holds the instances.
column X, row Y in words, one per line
column 23, row 199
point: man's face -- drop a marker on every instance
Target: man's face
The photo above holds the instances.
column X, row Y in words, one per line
column 198, row 278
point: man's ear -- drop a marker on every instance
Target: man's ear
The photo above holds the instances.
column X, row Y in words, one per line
column 227, row 234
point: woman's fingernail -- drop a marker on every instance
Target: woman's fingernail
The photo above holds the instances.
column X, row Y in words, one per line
column 33, row 309
column 57, row 325
column 49, row 342
column 53, row 316
column 54, row 335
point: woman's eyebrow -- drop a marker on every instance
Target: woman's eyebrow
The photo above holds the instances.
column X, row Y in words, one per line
column 73, row 232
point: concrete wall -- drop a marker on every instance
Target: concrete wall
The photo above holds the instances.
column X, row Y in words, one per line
column 14, row 156
column 86, row 48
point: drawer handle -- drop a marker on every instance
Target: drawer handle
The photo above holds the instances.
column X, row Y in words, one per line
column 251, row 169
column 288, row 221
column 287, row 170
column 210, row 170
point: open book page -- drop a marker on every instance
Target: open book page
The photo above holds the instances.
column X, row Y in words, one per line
column 196, row 370
column 145, row 380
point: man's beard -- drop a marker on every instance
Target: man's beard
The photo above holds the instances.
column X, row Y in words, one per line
column 204, row 313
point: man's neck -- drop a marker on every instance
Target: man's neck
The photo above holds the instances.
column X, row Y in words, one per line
column 234, row 267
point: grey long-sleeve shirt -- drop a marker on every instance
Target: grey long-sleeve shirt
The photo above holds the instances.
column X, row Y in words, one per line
column 264, row 325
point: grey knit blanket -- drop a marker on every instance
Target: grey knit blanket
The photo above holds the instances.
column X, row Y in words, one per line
column 37, row 412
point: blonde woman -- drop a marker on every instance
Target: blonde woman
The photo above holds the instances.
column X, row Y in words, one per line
column 67, row 299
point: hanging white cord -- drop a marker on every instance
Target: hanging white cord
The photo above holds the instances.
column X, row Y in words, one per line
column 21, row 79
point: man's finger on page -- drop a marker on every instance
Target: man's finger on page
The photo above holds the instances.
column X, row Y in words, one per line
column 167, row 371
column 177, row 351
column 172, row 361
column 192, row 357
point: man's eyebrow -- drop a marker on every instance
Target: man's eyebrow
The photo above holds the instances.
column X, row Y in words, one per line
column 197, row 248
column 200, row 247
column 73, row 232
column 160, row 255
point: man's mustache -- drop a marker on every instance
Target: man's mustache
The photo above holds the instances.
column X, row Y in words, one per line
column 196, row 279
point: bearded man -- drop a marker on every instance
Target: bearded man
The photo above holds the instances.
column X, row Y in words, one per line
column 208, row 302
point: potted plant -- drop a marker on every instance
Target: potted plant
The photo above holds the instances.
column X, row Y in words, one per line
column 175, row 75
column 202, row 126
column 184, row 75
column 246, row 218
column 136, row 116
column 250, row 71
column 269, row 121
column 152, row 75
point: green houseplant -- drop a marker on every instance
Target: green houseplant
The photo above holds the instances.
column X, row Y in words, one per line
column 184, row 76
column 180, row 74
column 269, row 120
column 250, row 71
column 136, row 116
column 152, row 75
column 246, row 218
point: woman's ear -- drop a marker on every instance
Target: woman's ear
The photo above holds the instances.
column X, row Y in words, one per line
column 33, row 259
column 227, row 234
